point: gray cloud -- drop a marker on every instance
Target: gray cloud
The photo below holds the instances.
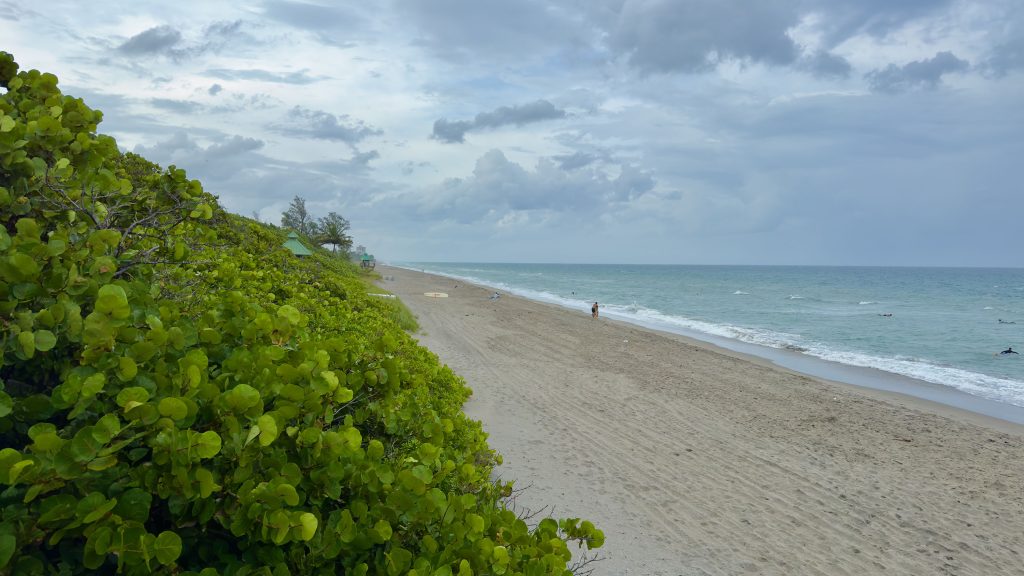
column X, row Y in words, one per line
column 499, row 187
column 181, row 149
column 12, row 11
column 451, row 131
column 1007, row 52
column 214, row 89
column 309, row 16
column 179, row 106
column 296, row 77
column 364, row 158
column 332, row 23
column 224, row 29
column 152, row 41
column 462, row 30
column 846, row 18
column 826, row 65
column 409, row 166
column 696, row 35
column 233, row 146
column 575, row 160
column 1006, row 58
column 306, row 123
column 631, row 184
column 236, row 169
column 455, row 131
column 918, row 74
column 168, row 41
column 237, row 102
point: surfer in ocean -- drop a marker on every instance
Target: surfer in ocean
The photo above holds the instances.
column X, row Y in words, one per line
column 1009, row 350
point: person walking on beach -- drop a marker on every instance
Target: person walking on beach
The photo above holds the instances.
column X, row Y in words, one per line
column 593, row 310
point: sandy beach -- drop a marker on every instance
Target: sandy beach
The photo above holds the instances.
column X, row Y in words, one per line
column 697, row 460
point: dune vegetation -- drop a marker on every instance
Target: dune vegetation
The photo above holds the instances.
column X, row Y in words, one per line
column 181, row 395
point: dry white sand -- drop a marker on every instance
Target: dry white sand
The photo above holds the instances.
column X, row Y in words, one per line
column 695, row 460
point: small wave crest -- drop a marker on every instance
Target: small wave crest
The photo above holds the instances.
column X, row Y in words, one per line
column 794, row 297
column 867, row 302
column 741, row 293
column 991, row 387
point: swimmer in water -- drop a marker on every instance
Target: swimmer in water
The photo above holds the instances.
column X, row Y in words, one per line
column 1009, row 350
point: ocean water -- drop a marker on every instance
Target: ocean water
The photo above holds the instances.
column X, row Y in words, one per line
column 940, row 325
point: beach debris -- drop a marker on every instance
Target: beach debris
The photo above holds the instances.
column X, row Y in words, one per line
column 435, row 294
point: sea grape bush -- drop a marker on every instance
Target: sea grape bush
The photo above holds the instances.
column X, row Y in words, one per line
column 180, row 395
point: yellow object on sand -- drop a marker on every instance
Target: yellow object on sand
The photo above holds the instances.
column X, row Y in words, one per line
column 435, row 294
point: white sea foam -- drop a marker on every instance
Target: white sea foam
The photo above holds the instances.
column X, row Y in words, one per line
column 741, row 293
column 866, row 302
column 795, row 297
column 988, row 308
column 991, row 387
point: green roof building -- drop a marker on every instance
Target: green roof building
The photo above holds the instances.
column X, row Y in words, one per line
column 296, row 246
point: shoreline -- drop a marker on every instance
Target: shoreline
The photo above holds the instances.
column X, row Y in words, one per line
column 946, row 398
column 700, row 460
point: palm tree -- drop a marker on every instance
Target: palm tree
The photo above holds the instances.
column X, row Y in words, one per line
column 331, row 230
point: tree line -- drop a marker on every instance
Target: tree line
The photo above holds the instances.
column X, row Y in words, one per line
column 331, row 229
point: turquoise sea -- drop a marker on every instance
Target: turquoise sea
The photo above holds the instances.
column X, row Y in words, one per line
column 944, row 326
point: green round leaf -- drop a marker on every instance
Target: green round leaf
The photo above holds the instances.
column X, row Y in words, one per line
column 56, row 246
column 132, row 394
column 173, row 408
column 383, row 529
column 208, row 444
column 288, row 494
column 309, row 524
column 134, row 504
column 28, row 344
column 6, row 404
column 7, row 547
column 45, row 340
column 268, row 429
column 167, row 547
column 242, row 397
column 289, row 313
column 126, row 368
column 112, row 300
column 22, row 267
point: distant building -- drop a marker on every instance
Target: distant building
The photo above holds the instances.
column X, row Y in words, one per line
column 296, row 246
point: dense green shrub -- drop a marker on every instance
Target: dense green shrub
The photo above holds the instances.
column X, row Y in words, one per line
column 178, row 394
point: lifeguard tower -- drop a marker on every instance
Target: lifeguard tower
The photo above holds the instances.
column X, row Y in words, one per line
column 367, row 261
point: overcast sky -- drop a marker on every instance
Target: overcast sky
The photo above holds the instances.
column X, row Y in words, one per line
column 886, row 132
